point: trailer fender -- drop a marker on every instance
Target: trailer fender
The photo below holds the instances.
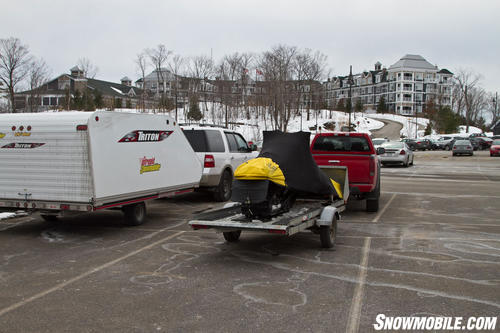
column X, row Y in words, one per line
column 327, row 216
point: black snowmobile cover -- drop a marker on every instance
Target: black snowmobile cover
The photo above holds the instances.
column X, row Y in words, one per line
column 291, row 152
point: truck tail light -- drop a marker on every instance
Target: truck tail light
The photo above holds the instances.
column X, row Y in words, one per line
column 209, row 161
column 372, row 166
column 64, row 207
column 402, row 152
column 454, row 147
column 469, row 147
column 81, row 127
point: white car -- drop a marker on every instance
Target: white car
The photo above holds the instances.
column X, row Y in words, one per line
column 220, row 151
column 396, row 152
column 377, row 142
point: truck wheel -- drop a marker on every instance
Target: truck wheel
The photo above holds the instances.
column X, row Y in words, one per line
column 328, row 234
column 49, row 218
column 232, row 236
column 223, row 190
column 135, row 214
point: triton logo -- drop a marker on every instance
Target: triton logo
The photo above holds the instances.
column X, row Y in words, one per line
column 146, row 136
column 23, row 145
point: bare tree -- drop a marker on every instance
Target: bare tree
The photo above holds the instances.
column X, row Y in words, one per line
column 88, row 68
column 158, row 58
column 14, row 61
column 142, row 65
column 468, row 95
column 492, row 107
column 176, row 66
column 200, row 68
column 38, row 75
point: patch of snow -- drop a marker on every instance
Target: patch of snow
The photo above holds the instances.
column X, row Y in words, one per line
column 6, row 215
column 118, row 91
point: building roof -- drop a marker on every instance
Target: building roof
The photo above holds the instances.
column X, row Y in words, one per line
column 413, row 61
column 125, row 78
column 445, row 71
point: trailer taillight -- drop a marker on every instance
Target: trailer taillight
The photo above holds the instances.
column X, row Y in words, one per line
column 279, row 232
column 198, row 226
column 209, row 161
column 81, row 127
column 64, row 207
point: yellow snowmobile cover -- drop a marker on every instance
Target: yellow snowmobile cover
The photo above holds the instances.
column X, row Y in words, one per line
column 286, row 160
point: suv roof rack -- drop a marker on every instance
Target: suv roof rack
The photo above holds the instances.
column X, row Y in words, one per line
column 202, row 125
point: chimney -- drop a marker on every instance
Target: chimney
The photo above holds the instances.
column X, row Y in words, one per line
column 76, row 72
column 126, row 81
column 378, row 66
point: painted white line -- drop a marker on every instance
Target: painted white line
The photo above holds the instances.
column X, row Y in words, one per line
column 384, row 209
column 357, row 299
column 445, row 195
column 83, row 275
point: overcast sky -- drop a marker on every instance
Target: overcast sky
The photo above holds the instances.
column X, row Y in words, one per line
column 450, row 34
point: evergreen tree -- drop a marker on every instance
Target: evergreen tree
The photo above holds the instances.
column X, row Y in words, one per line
column 118, row 103
column 358, row 107
column 340, row 105
column 381, row 106
column 98, row 102
column 194, row 109
column 428, row 129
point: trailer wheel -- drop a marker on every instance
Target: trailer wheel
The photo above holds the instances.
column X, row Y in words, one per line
column 328, row 234
column 223, row 190
column 232, row 236
column 134, row 214
column 49, row 218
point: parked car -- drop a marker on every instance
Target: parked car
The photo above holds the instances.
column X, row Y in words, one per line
column 220, row 151
column 357, row 152
column 396, row 152
column 495, row 148
column 482, row 143
column 445, row 142
column 423, row 144
column 462, row 147
column 410, row 143
column 377, row 142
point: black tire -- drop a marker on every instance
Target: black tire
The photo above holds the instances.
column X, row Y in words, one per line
column 135, row 214
column 232, row 236
column 412, row 158
column 372, row 205
column 405, row 164
column 328, row 234
column 49, row 218
column 454, row 154
column 224, row 189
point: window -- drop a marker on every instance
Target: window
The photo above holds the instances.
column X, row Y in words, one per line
column 341, row 143
column 236, row 143
column 46, row 101
column 205, row 140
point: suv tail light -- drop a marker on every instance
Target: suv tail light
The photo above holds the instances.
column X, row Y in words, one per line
column 469, row 147
column 402, row 152
column 209, row 161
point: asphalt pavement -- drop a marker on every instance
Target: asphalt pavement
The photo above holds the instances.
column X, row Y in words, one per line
column 432, row 249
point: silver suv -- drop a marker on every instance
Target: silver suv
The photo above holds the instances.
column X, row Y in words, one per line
column 220, row 151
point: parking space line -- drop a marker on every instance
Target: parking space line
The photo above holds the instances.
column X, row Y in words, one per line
column 83, row 275
column 384, row 209
column 357, row 299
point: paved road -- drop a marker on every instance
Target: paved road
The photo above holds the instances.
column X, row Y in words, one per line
column 432, row 249
column 391, row 130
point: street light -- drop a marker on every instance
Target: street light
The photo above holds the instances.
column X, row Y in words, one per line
column 416, row 120
column 350, row 81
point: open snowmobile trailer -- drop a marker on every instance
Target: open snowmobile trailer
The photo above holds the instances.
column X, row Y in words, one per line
column 317, row 215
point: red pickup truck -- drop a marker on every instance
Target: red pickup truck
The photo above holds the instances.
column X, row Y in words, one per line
column 357, row 153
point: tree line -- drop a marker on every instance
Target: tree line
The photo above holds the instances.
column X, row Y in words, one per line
column 286, row 82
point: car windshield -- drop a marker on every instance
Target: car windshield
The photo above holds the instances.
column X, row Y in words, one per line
column 378, row 141
column 496, row 142
column 462, row 142
column 393, row 145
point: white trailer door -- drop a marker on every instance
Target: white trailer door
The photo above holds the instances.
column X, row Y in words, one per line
column 44, row 157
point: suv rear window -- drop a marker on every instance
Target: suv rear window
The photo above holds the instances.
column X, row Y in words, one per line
column 341, row 143
column 205, row 141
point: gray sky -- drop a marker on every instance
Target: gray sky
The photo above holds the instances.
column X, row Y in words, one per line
column 450, row 34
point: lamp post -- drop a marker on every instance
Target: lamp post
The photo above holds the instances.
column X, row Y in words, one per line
column 350, row 81
column 416, row 120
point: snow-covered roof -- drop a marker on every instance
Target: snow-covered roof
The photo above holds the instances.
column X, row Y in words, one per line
column 125, row 78
column 413, row 61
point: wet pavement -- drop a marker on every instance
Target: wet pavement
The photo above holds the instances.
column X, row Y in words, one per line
column 432, row 249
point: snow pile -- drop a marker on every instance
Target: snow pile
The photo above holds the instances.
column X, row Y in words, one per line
column 6, row 215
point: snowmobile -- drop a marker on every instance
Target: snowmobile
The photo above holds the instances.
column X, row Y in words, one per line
column 284, row 171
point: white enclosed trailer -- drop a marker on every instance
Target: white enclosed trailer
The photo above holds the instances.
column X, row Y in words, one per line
column 86, row 161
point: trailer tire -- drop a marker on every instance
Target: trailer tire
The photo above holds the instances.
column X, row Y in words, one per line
column 232, row 236
column 223, row 190
column 135, row 214
column 328, row 234
column 49, row 218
